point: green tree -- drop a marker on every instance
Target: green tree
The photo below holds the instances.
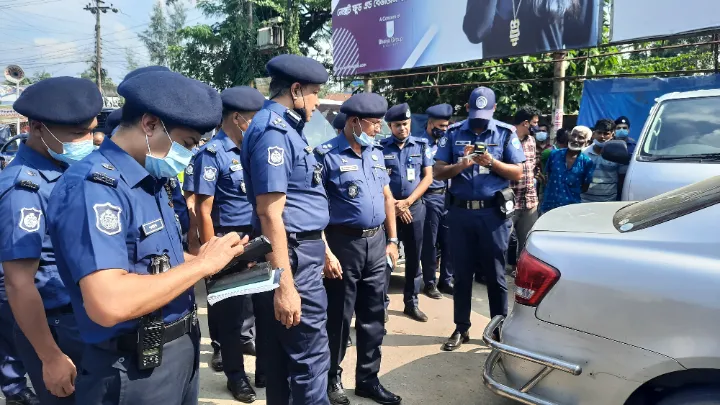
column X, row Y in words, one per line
column 108, row 86
column 162, row 33
column 130, row 60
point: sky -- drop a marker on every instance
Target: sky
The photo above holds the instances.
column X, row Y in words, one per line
column 58, row 36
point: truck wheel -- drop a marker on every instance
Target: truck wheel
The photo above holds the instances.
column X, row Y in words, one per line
column 693, row 396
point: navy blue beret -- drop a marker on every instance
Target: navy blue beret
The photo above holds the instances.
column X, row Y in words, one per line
column 113, row 120
column 365, row 105
column 146, row 69
column 296, row 68
column 339, row 121
column 60, row 100
column 174, row 98
column 242, row 98
column 622, row 120
column 400, row 112
column 440, row 111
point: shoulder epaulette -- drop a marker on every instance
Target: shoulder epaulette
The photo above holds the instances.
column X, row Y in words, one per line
column 378, row 145
column 28, row 178
column 277, row 122
column 420, row 139
column 212, row 148
column 506, row 126
column 104, row 173
column 456, row 125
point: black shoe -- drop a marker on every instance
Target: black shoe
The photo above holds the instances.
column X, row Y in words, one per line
column 24, row 397
column 431, row 291
column 249, row 348
column 260, row 381
column 336, row 395
column 216, row 360
column 241, row 390
column 349, row 342
column 416, row 314
column 387, row 316
column 448, row 288
column 378, row 394
column 456, row 340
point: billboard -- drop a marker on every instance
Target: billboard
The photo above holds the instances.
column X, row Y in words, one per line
column 381, row 35
column 661, row 18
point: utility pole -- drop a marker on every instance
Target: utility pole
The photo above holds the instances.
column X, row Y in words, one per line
column 558, row 91
column 97, row 8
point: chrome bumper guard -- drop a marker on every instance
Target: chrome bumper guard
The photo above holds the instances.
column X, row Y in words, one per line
column 520, row 395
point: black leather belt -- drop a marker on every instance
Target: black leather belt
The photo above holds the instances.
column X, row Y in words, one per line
column 227, row 229
column 306, row 235
column 174, row 330
column 475, row 204
column 433, row 191
column 356, row 232
column 63, row 310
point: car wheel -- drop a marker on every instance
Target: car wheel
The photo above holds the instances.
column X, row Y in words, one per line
column 693, row 396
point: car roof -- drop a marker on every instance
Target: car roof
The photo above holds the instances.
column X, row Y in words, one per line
column 689, row 94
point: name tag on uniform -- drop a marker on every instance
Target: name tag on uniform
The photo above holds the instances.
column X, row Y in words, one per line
column 350, row 168
column 379, row 167
column 411, row 174
column 389, row 156
column 462, row 143
column 152, row 227
column 418, row 155
column 235, row 168
column 483, row 170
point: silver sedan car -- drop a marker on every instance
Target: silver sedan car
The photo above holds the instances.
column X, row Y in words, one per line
column 616, row 303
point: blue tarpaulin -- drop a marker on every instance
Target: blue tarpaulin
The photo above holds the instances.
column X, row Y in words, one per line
column 633, row 98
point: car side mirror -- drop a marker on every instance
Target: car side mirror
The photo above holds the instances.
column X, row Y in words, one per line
column 616, row 151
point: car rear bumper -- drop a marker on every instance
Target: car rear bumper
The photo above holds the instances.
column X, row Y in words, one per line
column 556, row 365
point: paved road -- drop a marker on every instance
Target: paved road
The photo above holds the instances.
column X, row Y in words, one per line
column 413, row 365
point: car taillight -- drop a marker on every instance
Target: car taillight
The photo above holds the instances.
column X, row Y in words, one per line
column 533, row 280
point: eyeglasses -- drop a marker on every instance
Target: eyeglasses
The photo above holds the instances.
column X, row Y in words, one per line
column 377, row 124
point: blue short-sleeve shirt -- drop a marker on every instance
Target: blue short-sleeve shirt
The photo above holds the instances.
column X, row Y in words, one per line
column 354, row 183
column 564, row 186
column 476, row 182
column 25, row 186
column 179, row 204
column 188, row 184
column 108, row 212
column 276, row 158
column 219, row 173
column 433, row 144
column 405, row 166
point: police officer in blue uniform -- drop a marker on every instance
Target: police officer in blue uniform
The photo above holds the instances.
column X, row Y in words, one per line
column 409, row 163
column 436, row 230
column 13, row 383
column 62, row 113
column 284, row 185
column 360, row 202
column 119, row 251
column 222, row 206
column 480, row 203
column 339, row 122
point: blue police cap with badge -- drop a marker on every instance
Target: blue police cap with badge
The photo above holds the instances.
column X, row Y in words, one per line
column 242, row 98
column 622, row 120
column 365, row 105
column 400, row 112
column 296, row 68
column 481, row 103
column 440, row 111
column 339, row 121
column 60, row 100
column 174, row 99
column 146, row 69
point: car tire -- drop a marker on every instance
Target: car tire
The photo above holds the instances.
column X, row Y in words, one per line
column 693, row 396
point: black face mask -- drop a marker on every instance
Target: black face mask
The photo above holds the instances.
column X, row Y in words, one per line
column 438, row 133
column 479, row 123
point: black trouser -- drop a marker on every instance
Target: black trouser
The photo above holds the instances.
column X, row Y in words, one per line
column 411, row 235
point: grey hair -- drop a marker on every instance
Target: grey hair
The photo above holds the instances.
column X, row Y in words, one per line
column 584, row 131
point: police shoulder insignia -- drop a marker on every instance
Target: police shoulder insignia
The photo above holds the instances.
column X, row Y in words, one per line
column 456, row 125
column 276, row 155
column 209, row 173
column 30, row 219
column 211, row 149
column 321, row 150
column 107, row 218
column 189, row 169
column 443, row 141
column 102, row 178
column 276, row 122
column 27, row 178
column 428, row 153
column 353, row 190
column 516, row 143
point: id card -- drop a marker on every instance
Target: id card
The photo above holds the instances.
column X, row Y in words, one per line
column 411, row 174
column 483, row 170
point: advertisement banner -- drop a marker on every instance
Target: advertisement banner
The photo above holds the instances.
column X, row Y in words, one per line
column 381, row 35
column 661, row 18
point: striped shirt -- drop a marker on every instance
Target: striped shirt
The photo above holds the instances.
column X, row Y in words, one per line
column 604, row 184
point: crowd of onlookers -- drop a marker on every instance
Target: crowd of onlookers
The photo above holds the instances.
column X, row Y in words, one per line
column 568, row 169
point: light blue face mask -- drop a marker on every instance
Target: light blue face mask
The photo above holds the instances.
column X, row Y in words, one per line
column 177, row 159
column 72, row 151
column 622, row 133
column 598, row 143
column 541, row 136
column 364, row 139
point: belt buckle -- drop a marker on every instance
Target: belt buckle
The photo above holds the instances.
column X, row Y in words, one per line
column 475, row 205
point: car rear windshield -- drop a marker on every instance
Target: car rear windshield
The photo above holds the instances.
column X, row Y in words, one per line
column 668, row 206
column 684, row 127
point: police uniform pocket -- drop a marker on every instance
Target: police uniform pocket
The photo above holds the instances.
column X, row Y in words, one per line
column 148, row 254
column 237, row 180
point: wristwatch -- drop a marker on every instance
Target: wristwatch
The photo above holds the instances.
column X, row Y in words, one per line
column 394, row 240
column 492, row 160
